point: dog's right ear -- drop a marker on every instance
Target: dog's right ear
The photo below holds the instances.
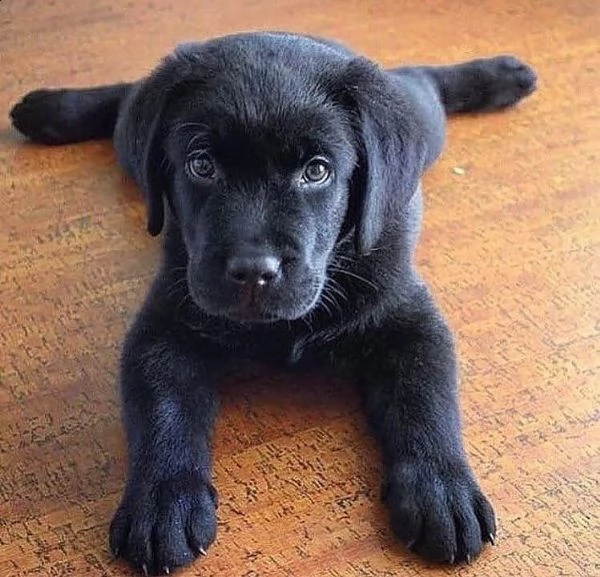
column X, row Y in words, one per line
column 140, row 131
column 391, row 146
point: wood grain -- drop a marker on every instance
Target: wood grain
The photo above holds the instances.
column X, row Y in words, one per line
column 511, row 248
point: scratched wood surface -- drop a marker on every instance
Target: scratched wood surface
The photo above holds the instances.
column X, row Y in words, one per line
column 511, row 246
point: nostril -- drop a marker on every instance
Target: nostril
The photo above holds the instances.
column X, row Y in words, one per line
column 256, row 270
column 240, row 276
column 267, row 276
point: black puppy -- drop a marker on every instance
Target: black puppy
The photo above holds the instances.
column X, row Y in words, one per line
column 288, row 173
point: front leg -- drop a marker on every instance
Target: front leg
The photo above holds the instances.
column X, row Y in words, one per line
column 409, row 384
column 168, row 512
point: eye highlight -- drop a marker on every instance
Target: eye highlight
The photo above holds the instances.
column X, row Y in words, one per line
column 201, row 166
column 316, row 171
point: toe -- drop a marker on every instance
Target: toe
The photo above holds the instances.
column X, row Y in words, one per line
column 119, row 530
column 468, row 533
column 201, row 529
column 486, row 517
column 438, row 541
column 139, row 546
column 171, row 548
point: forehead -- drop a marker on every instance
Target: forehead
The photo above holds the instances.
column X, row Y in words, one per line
column 255, row 112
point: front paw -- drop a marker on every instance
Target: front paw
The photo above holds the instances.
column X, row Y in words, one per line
column 163, row 525
column 438, row 511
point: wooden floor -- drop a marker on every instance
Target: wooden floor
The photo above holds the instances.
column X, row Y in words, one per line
column 511, row 246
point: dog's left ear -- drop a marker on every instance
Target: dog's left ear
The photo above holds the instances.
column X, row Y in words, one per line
column 391, row 145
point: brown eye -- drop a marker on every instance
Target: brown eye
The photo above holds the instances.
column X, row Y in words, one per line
column 316, row 171
column 201, row 166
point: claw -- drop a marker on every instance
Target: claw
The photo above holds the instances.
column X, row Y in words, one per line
column 468, row 559
column 202, row 551
column 411, row 544
column 145, row 569
column 115, row 553
column 166, row 570
column 452, row 559
column 492, row 538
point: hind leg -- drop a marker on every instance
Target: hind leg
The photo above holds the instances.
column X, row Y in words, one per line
column 478, row 85
column 69, row 115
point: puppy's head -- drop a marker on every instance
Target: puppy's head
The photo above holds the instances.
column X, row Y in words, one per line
column 268, row 159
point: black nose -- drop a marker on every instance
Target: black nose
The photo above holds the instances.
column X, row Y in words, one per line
column 253, row 270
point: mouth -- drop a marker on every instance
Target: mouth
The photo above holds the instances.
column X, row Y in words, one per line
column 257, row 311
column 258, row 305
column 254, row 307
column 254, row 316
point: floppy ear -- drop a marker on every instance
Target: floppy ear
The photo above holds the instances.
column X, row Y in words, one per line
column 154, row 179
column 391, row 146
column 139, row 133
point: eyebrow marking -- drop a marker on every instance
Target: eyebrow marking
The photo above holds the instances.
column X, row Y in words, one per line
column 197, row 137
column 201, row 134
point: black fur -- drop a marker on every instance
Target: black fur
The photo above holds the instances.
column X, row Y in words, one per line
column 261, row 262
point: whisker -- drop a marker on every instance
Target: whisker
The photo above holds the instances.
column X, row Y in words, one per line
column 174, row 286
column 355, row 276
column 344, row 257
column 183, row 301
column 337, row 288
column 331, row 299
column 323, row 303
column 330, row 291
column 306, row 320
